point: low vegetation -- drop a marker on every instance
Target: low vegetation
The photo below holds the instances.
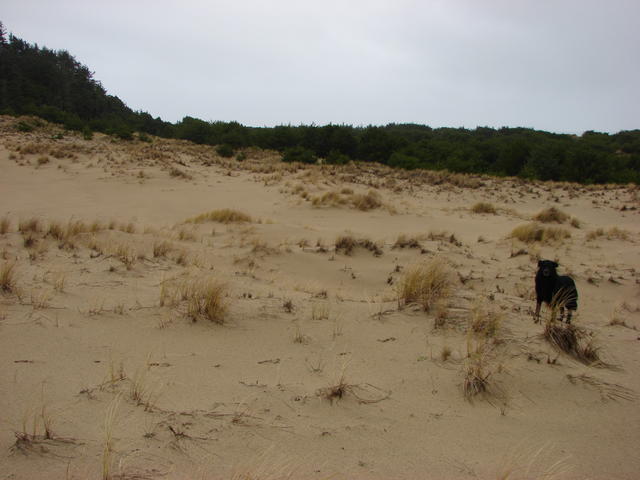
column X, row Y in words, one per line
column 613, row 233
column 534, row 232
column 476, row 371
column 368, row 201
column 551, row 215
column 225, row 215
column 8, row 277
column 406, row 241
column 200, row 298
column 347, row 245
column 484, row 207
column 575, row 341
column 425, row 284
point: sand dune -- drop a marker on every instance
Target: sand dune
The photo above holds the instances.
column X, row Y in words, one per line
column 138, row 340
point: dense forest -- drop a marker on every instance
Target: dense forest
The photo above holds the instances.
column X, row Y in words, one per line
column 55, row 86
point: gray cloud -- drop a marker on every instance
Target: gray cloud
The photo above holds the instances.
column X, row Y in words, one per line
column 564, row 65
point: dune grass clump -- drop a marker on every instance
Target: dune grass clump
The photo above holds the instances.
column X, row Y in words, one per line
column 476, row 371
column 348, row 243
column 207, row 301
column 575, row 341
column 32, row 225
column 484, row 207
column 405, row 241
column 613, row 233
column 551, row 215
column 534, row 232
column 8, row 277
column 225, row 215
column 65, row 234
column 484, row 321
column 161, row 248
column 5, row 225
column 329, row 199
column 202, row 298
column 346, row 197
column 368, row 201
column 425, row 284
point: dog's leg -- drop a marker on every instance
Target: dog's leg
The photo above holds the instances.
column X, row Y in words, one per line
column 569, row 313
column 536, row 316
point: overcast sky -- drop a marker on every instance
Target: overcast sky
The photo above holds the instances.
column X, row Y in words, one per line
column 557, row 65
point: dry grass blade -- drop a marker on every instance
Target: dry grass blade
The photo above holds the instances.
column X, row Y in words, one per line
column 574, row 341
column 608, row 391
column 107, row 449
column 362, row 393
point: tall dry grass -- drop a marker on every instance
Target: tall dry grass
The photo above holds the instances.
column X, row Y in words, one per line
column 534, row 232
column 425, row 284
column 201, row 298
column 225, row 215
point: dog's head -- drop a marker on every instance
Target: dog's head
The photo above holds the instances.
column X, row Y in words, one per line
column 547, row 268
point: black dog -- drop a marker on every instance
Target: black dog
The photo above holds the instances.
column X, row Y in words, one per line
column 555, row 290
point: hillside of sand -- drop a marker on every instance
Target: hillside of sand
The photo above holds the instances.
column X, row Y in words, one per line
column 168, row 313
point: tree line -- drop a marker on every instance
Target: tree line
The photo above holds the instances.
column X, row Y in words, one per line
column 53, row 85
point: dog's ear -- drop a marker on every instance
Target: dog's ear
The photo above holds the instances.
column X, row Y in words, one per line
column 540, row 263
column 555, row 264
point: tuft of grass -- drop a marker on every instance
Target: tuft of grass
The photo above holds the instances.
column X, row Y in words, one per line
column 405, row 241
column 534, row 232
column 203, row 298
column 31, row 225
column 445, row 353
column 207, row 300
column 107, row 449
column 613, row 233
column 484, row 207
column 8, row 277
column 574, row 341
column 476, row 379
column 485, row 321
column 225, row 215
column 425, row 284
column 161, row 248
column 368, row 201
column 288, row 306
column 5, row 225
column 320, row 311
column 176, row 172
column 329, row 199
column 364, row 202
column 348, row 244
column 551, row 215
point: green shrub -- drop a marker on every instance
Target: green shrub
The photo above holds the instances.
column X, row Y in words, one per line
column 225, row 150
column 25, row 127
column 336, row 157
column 143, row 137
column 299, row 154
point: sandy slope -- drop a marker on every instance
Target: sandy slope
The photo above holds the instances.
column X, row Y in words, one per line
column 84, row 324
